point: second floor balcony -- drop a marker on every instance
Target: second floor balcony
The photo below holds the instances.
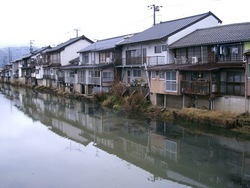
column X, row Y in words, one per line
column 46, row 76
column 60, row 79
column 149, row 60
column 82, row 79
column 70, row 80
column 107, row 79
column 94, row 80
column 195, row 87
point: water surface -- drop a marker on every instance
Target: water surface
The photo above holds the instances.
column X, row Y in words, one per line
column 52, row 142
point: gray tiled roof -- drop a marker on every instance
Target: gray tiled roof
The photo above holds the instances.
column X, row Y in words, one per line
column 94, row 66
column 104, row 44
column 61, row 46
column 215, row 35
column 166, row 29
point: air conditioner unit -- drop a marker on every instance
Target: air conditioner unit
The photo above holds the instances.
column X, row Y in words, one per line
column 194, row 60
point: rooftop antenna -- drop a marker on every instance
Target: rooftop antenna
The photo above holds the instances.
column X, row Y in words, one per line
column 155, row 8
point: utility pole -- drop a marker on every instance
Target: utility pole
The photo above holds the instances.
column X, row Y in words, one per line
column 77, row 32
column 155, row 8
column 10, row 55
column 31, row 47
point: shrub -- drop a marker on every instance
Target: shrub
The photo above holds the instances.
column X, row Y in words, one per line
column 118, row 89
column 134, row 102
column 100, row 97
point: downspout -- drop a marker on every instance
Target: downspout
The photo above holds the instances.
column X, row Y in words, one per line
column 246, row 83
column 202, row 54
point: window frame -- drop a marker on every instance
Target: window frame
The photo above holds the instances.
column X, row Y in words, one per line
column 171, row 82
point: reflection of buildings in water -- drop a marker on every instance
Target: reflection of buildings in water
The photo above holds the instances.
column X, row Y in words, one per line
column 166, row 150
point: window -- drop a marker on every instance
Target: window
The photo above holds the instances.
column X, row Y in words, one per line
column 136, row 56
column 162, row 75
column 232, row 82
column 108, row 76
column 81, row 76
column 85, row 59
column 171, row 82
column 153, row 75
column 157, row 49
column 164, row 48
column 137, row 73
column 104, row 56
column 94, row 73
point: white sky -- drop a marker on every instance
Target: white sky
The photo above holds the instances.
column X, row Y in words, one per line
column 50, row 22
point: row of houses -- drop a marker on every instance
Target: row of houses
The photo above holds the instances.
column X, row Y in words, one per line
column 192, row 61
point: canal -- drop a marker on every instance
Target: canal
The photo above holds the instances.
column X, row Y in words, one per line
column 46, row 141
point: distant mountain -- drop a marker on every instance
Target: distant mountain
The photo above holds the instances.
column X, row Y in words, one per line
column 9, row 54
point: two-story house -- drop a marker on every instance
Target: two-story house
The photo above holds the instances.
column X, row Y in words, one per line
column 211, row 68
column 23, row 68
column 97, row 68
column 60, row 56
column 151, row 47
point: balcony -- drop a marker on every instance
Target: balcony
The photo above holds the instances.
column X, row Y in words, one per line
column 60, row 78
column 149, row 60
column 52, row 77
column 94, row 80
column 195, row 87
column 82, row 80
column 108, row 79
column 156, row 60
column 70, row 80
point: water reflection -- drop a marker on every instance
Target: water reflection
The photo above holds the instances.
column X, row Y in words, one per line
column 169, row 154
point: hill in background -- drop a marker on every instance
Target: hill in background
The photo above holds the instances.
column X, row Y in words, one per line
column 12, row 53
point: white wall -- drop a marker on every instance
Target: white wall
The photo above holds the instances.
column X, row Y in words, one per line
column 70, row 52
column 207, row 22
column 210, row 21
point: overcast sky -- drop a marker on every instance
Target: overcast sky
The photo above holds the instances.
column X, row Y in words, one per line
column 50, row 22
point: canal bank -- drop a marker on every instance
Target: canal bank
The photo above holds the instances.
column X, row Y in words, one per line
column 235, row 121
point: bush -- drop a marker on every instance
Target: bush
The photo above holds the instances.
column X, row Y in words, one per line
column 134, row 102
column 118, row 89
column 100, row 97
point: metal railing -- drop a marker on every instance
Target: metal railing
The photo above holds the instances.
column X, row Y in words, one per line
column 108, row 79
column 149, row 60
column 94, row 80
column 70, row 80
column 195, row 87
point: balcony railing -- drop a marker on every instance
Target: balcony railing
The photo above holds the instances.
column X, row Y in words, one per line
column 70, row 80
column 60, row 78
column 82, row 80
column 156, row 60
column 108, row 79
column 195, row 87
column 94, row 80
column 52, row 77
column 149, row 60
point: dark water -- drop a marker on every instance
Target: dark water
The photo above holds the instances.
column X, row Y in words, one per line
column 51, row 142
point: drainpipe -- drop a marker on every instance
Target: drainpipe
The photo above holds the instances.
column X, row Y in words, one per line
column 202, row 54
column 246, row 84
